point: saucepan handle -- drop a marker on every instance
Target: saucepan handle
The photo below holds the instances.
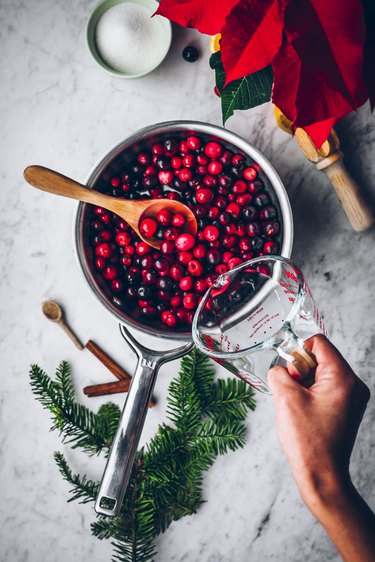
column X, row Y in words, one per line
column 124, row 447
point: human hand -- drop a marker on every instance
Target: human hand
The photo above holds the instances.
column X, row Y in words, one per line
column 317, row 426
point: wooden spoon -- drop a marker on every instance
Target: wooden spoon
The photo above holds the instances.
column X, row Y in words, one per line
column 53, row 311
column 131, row 211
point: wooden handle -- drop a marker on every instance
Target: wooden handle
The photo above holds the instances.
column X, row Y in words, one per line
column 52, row 182
column 71, row 334
column 107, row 361
column 106, row 388
column 355, row 206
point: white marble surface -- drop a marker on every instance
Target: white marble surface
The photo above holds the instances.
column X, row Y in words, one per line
column 59, row 109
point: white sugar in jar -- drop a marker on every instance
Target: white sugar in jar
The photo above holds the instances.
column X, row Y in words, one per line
column 126, row 39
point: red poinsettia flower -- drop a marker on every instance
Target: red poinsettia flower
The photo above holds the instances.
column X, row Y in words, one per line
column 315, row 47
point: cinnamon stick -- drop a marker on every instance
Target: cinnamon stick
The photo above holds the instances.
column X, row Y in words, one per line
column 108, row 362
column 104, row 389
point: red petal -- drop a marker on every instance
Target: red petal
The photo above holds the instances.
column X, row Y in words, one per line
column 251, row 37
column 208, row 16
column 317, row 72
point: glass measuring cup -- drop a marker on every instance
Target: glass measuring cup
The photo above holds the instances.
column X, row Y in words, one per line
column 257, row 316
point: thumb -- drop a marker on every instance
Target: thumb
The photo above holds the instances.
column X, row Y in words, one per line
column 280, row 380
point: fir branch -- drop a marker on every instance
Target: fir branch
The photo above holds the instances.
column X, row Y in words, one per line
column 230, row 398
column 220, row 437
column 83, row 489
column 79, row 425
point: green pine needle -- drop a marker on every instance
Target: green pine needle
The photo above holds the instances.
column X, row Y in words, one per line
column 207, row 420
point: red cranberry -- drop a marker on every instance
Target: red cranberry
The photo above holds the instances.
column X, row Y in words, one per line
column 148, row 227
column 177, row 271
column 253, row 228
column 215, row 244
column 165, row 177
column 100, row 263
column 171, row 233
column 200, row 211
column 213, row 150
column 200, row 285
column 178, row 220
column 181, row 314
column 167, row 247
column 147, row 262
column 271, row 228
column 209, row 181
column 176, row 162
column 170, row 320
column 188, row 160
column 155, row 191
column 193, row 142
column 115, row 182
column 213, row 212
column 227, row 256
column 143, row 249
column 250, row 173
column 270, row 247
column 238, row 160
column 239, row 187
column 189, row 301
column 215, row 167
column 234, row 209
column 230, row 228
column 164, row 296
column 143, row 158
column 174, row 196
column 211, row 233
column 220, row 202
column 126, row 260
column 202, row 159
column 195, row 268
column 184, row 257
column 130, row 250
column 244, row 199
column 116, row 285
column 158, row 149
column 247, row 256
column 104, row 250
column 161, row 264
column 100, row 211
column 234, row 262
column 221, row 268
column 186, row 283
column 204, row 195
column 201, row 170
column 229, row 240
column 150, row 171
column 105, row 236
column 226, row 158
column 110, row 272
column 185, row 174
column 213, row 257
column 245, row 244
column 176, row 301
column 149, row 311
column 199, row 251
column 184, row 148
column 164, row 217
column 185, row 241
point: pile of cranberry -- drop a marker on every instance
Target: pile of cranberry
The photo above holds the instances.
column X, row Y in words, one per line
column 236, row 217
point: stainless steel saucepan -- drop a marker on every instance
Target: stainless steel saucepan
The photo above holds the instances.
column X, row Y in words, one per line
column 124, row 447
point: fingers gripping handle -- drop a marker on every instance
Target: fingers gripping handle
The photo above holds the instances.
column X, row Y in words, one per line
column 124, row 447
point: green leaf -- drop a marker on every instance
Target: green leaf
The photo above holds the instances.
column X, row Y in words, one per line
column 243, row 93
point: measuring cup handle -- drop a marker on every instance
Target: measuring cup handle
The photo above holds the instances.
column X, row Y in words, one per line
column 124, row 447
column 293, row 349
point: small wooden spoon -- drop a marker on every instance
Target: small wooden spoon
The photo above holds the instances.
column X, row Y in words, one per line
column 53, row 312
column 131, row 211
